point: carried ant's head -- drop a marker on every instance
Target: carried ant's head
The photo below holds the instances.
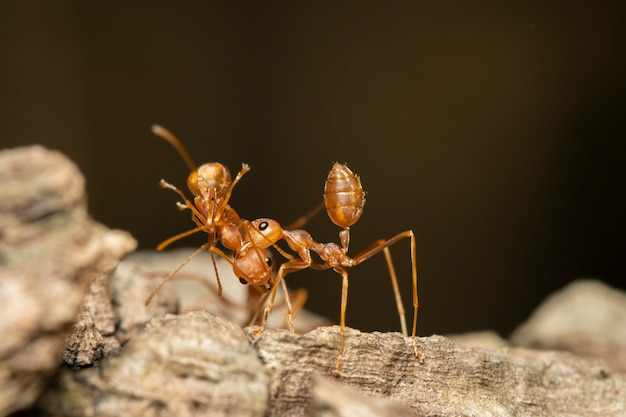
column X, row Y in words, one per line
column 212, row 175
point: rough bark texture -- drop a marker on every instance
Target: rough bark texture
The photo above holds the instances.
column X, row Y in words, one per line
column 50, row 252
column 195, row 286
column 586, row 317
column 196, row 364
column 54, row 270
column 454, row 380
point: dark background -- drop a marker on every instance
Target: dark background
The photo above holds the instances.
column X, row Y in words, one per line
column 493, row 129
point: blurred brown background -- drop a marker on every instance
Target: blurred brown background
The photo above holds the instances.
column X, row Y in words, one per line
column 493, row 129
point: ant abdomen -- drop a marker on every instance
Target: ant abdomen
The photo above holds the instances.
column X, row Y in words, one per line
column 343, row 196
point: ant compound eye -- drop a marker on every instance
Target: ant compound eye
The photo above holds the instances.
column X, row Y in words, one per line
column 268, row 261
column 243, row 281
column 265, row 232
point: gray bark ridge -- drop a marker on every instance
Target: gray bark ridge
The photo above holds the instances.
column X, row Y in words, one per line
column 453, row 381
column 195, row 364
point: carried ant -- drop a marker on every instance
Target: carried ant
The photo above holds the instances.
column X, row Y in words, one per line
column 212, row 187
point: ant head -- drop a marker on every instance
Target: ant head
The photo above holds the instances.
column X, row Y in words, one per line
column 209, row 176
column 253, row 265
column 265, row 232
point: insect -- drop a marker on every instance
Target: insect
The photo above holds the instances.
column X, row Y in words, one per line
column 212, row 187
column 344, row 199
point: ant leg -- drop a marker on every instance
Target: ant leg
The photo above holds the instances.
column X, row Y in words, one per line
column 189, row 204
column 179, row 236
column 373, row 250
column 302, row 220
column 259, row 305
column 396, row 291
column 213, row 249
column 394, row 282
column 270, row 303
column 244, row 170
column 300, row 295
column 284, row 269
column 171, row 274
column 289, row 308
column 342, row 319
column 217, row 274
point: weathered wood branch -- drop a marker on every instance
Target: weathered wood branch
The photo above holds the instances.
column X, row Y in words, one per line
column 196, row 364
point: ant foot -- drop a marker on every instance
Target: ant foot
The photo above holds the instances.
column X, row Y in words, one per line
column 258, row 330
column 420, row 357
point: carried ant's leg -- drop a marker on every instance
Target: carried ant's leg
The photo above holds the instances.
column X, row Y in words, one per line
column 342, row 318
column 174, row 238
column 245, row 168
column 214, row 249
column 189, row 204
column 171, row 274
column 217, row 274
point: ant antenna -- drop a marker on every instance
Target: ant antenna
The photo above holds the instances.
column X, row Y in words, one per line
column 173, row 140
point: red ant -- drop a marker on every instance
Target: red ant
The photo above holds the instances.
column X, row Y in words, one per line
column 212, row 187
column 344, row 199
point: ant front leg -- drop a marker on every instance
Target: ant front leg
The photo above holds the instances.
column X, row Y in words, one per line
column 287, row 267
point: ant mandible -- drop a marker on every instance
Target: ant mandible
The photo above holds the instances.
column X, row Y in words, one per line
column 344, row 199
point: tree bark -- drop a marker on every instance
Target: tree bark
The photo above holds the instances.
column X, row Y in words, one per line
column 198, row 365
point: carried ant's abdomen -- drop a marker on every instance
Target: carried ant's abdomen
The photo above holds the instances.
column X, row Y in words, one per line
column 343, row 196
